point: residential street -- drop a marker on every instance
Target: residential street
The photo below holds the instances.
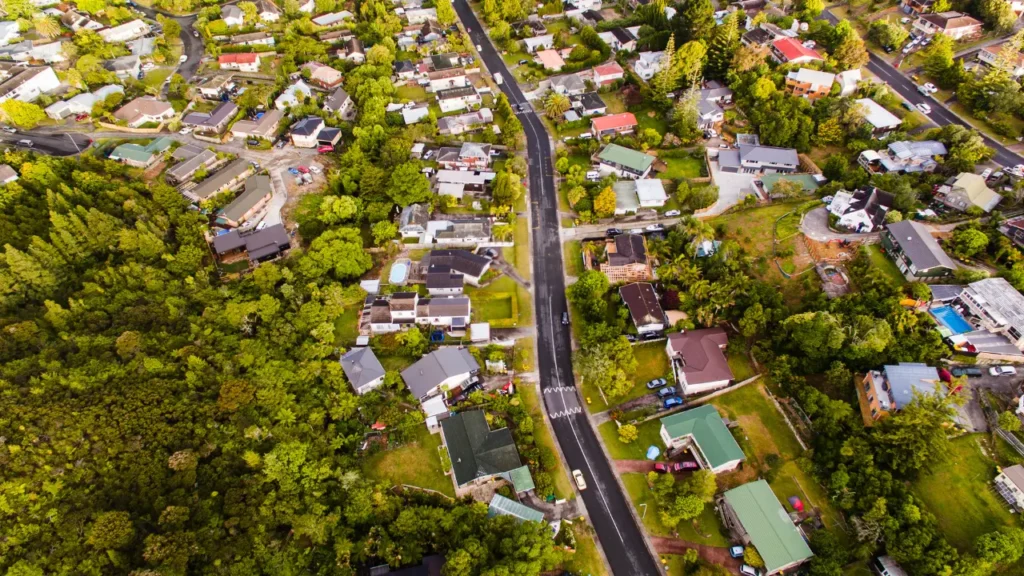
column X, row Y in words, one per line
column 191, row 46
column 609, row 510
column 57, row 144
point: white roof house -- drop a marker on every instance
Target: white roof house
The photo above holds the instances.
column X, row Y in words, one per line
column 539, row 42
column 650, row 192
column 848, row 81
column 8, row 31
column 82, row 103
column 293, row 95
column 881, row 120
column 415, row 114
column 648, row 64
column 125, row 32
column 332, row 19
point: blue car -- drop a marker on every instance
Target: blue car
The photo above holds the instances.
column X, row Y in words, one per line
column 293, row 171
column 673, row 402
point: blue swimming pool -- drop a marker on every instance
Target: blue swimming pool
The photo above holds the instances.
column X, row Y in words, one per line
column 949, row 318
column 398, row 273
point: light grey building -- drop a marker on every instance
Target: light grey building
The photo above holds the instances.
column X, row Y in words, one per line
column 363, row 370
column 442, row 369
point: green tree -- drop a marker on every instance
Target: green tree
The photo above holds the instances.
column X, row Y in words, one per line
column 696, row 20
column 24, row 115
column 966, row 242
column 555, row 105
column 335, row 209
column 1009, row 421
column 506, row 188
column 604, row 203
column 1004, row 546
column 383, row 232
column 888, row 33
column 938, row 57
column 628, row 433
column 338, row 251
column 111, row 531
column 409, row 185
column 667, row 78
column 46, row 26
column 752, row 557
column 915, row 438
column 724, row 42
column 850, row 53
column 445, row 13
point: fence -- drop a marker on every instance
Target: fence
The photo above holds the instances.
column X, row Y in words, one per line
column 117, row 128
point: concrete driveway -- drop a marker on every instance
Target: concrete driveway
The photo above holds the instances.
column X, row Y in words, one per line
column 815, row 227
column 732, row 189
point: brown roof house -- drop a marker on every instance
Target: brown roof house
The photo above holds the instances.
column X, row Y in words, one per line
column 144, row 109
column 956, row 25
column 698, row 360
column 644, row 308
column 627, row 259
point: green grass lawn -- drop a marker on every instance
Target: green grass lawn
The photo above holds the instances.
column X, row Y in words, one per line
column 417, row 464
column 346, row 326
column 710, row 529
column 412, row 92
column 500, row 290
column 587, row 558
column 652, row 362
column 739, row 363
column 154, row 78
column 614, row 102
column 529, row 396
column 958, row 494
column 396, row 363
column 497, row 308
column 573, row 256
column 649, row 434
column 681, row 167
column 650, row 118
column 881, row 262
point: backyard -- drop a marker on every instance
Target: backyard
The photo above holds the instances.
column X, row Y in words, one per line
column 710, row 528
column 412, row 92
column 573, row 256
column 681, row 167
column 883, row 263
column 417, row 463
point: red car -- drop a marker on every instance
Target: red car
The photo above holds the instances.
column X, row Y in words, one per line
column 325, row 149
column 82, row 116
column 303, row 169
column 661, row 467
column 687, row 465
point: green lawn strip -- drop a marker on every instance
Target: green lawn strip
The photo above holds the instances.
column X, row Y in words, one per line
column 522, row 249
column 958, row 493
column 652, row 362
column 563, row 489
column 525, row 359
column 587, row 558
column 748, row 402
column 573, row 256
column 417, row 463
column 648, row 117
column 412, row 92
column 494, row 308
column 681, row 167
column 396, row 363
column 708, row 530
column 155, row 78
column 649, row 434
column 639, row 493
column 346, row 326
column 881, row 262
column 579, row 160
column 740, row 364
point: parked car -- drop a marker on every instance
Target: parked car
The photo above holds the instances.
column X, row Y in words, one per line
column 672, row 213
column 183, row 59
column 252, row 142
column 315, row 169
column 666, row 392
column 578, row 477
column 281, row 143
column 969, row 372
column 736, row 551
column 652, row 335
column 746, row 570
column 10, row 130
column 565, row 318
column 325, row 149
column 593, row 175
column 612, row 232
column 930, row 87
column 293, row 171
column 654, row 228
column 673, row 402
column 688, row 465
column 186, row 130
column 81, row 117
column 907, row 105
column 303, row 170
column 148, row 66
column 1002, row 370
column 521, row 62
column 631, row 337
column 656, row 383
column 661, row 467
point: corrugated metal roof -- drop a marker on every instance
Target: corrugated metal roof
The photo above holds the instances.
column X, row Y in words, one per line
column 771, row 531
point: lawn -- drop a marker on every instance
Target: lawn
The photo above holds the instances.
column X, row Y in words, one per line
column 614, row 103
column 346, row 326
column 739, row 363
column 710, row 527
column 487, row 300
column 573, row 255
column 396, row 363
column 524, row 359
column 417, row 463
column 541, row 433
column 652, row 362
column 412, row 92
column 880, row 261
column 495, row 308
column 959, row 494
column 587, row 558
column 681, row 167
column 155, row 78
column 649, row 118
column 649, row 435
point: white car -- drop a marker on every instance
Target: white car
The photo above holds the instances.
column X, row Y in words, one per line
column 148, row 66
column 672, row 213
column 924, row 108
column 655, row 228
column 636, row 230
column 185, row 130
column 315, row 169
column 1017, row 170
column 183, row 59
column 580, row 482
column 930, row 88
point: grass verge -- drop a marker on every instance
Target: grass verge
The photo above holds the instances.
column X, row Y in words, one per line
column 563, row 489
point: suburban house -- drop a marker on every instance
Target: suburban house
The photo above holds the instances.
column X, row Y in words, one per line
column 444, row 61
column 810, row 84
column 253, row 39
column 214, row 87
column 632, row 195
column 340, row 103
column 454, row 99
column 626, row 259
column 883, row 123
column 81, row 103
column 413, row 114
column 916, row 253
column 1009, row 483
column 143, row 110
column 605, row 74
column 353, row 51
column 264, row 126
column 991, row 55
column 613, row 124
column 624, row 162
column 470, row 266
column 241, row 61
column 457, row 182
column 966, row 190
column 709, row 113
column 544, row 42
column 757, row 37
column 588, row 104
column 363, row 370
column 307, row 6
column 1013, row 228
column 848, row 82
column 140, row 156
column 716, row 92
column 412, row 222
column 791, row 51
column 125, row 32
column 331, row 18
column 304, row 132
column 124, row 67
column 755, row 516
column 625, row 40
column 471, row 155
column 403, row 309
column 420, row 15
column 907, row 156
column 648, row 64
column 184, row 171
column 293, row 95
column 227, row 178
column 698, row 360
column 405, row 70
column 431, row 31
column 956, row 25
column 443, row 283
column 501, row 506
column 644, row 308
column 455, row 125
column 550, row 60
column 884, row 391
column 447, row 78
column 322, row 75
column 267, row 11
column 255, row 195
column 7, row 174
column 256, row 245
column 214, row 121
column 862, row 210
column 466, row 231
column 442, row 370
column 479, row 454
column 702, row 432
column 232, row 16
column 753, row 158
column 26, row 83
column 997, row 307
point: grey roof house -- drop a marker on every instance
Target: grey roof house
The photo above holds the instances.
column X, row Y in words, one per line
column 258, row 191
column 894, row 386
column 756, row 158
column 412, row 223
column 916, row 253
column 442, row 369
column 215, row 120
column 362, row 369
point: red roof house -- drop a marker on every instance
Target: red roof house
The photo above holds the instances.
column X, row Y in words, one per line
column 244, row 61
column 608, row 73
column 624, row 123
column 791, row 51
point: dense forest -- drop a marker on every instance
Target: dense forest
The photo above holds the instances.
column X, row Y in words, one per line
column 158, row 419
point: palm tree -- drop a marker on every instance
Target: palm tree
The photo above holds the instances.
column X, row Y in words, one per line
column 47, row 26
column 556, row 105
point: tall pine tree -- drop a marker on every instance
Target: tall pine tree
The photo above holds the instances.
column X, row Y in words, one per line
column 724, row 42
column 696, row 20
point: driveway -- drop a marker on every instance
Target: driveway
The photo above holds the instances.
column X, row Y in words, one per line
column 815, row 227
column 732, row 189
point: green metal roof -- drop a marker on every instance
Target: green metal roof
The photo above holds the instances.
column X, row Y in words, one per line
column 476, row 450
column 709, row 433
column 631, row 159
column 131, row 152
column 521, row 479
column 805, row 180
column 769, row 527
column 501, row 506
column 159, row 145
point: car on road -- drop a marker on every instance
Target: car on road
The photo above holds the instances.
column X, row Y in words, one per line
column 195, row 33
column 81, row 117
column 924, row 108
column 656, row 383
column 293, row 171
column 578, row 477
column 612, row 232
column 185, row 131
column 970, row 372
column 326, row 148
column 183, row 58
column 666, row 392
column 672, row 213
column 654, row 228
column 26, row 143
column 479, row 49
column 10, row 130
column 736, row 551
column 498, row 78
column 907, row 105
column 636, row 230
column 565, row 318
column 1002, row 371
column 673, row 402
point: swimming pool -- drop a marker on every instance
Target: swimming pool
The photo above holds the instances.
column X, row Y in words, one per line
column 949, row 318
column 399, row 271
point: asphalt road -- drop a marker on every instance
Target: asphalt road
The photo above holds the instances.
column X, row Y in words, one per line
column 619, row 535
column 940, row 114
column 50, row 144
column 191, row 46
